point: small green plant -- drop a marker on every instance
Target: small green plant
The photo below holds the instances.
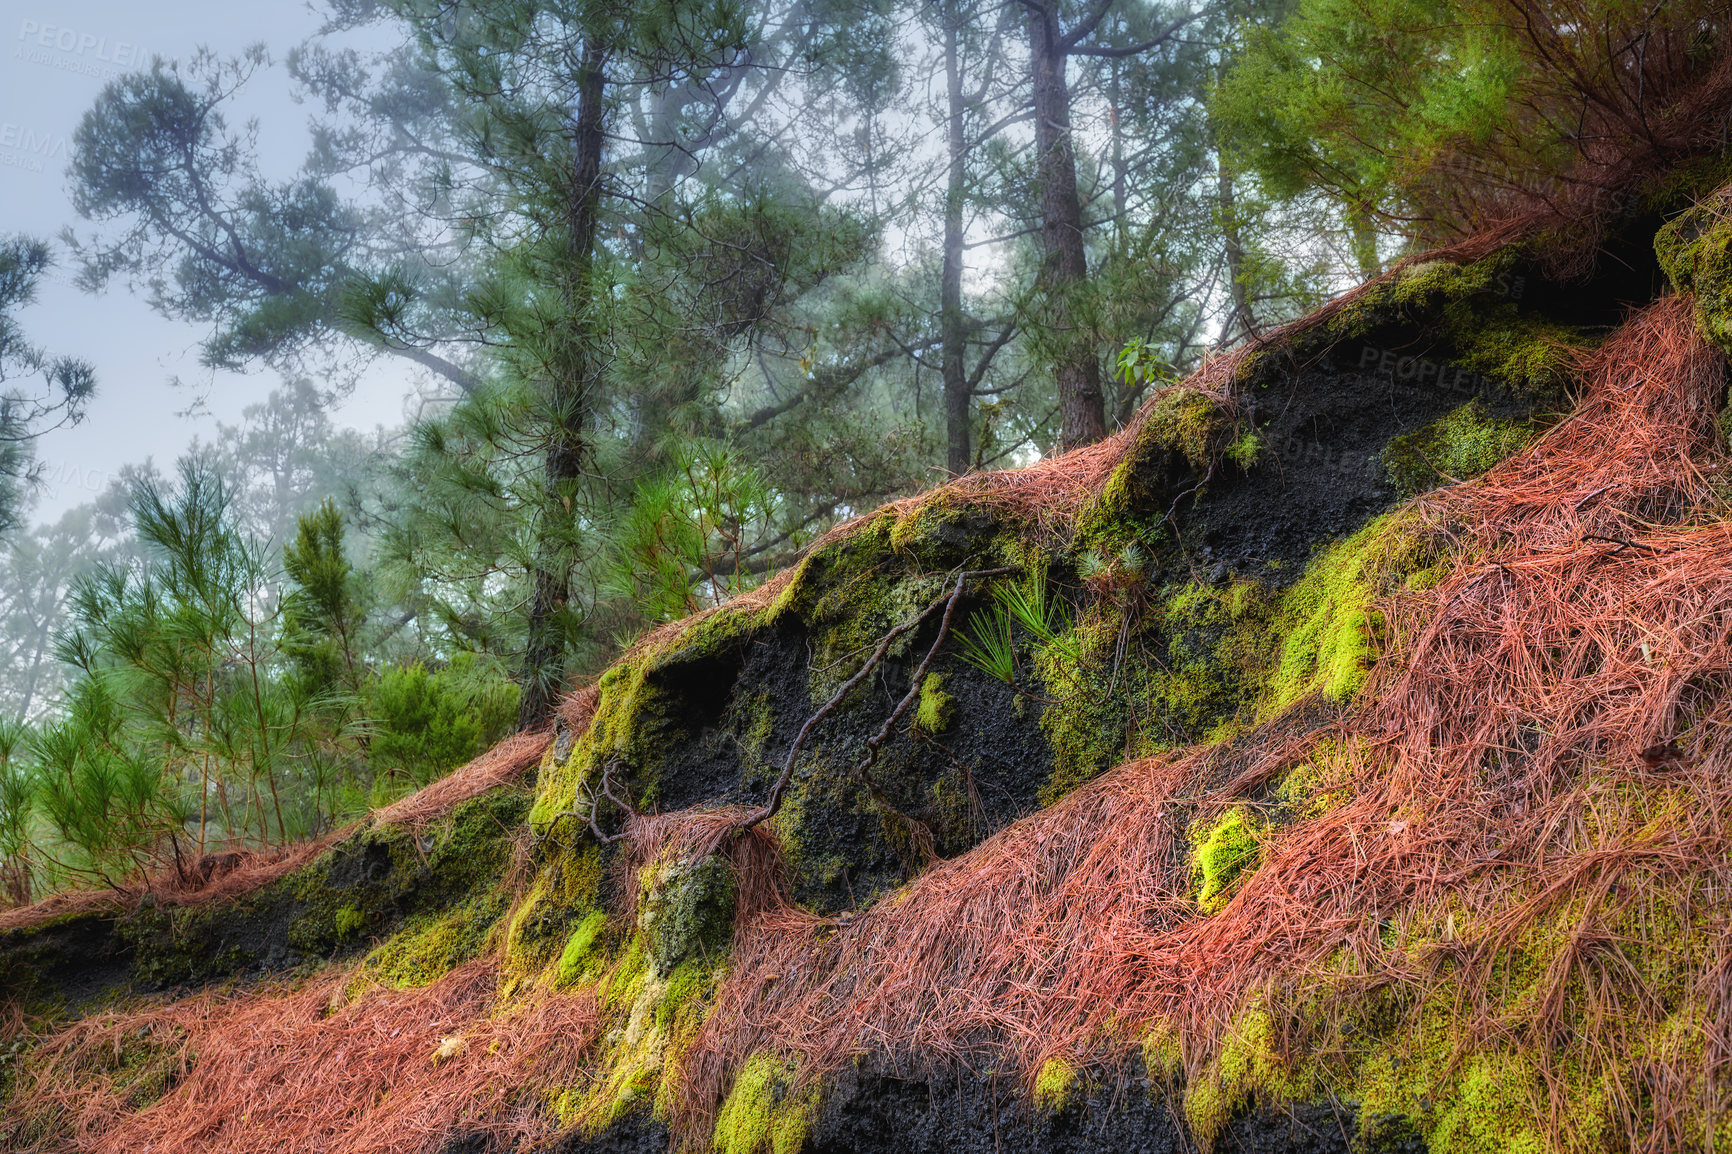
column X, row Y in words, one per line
column 1091, row 565
column 1034, row 607
column 988, row 645
column 1140, row 364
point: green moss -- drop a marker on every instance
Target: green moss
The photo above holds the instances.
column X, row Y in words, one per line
column 564, row 892
column 937, row 710
column 425, row 870
column 641, row 712
column 1529, row 356
column 766, row 1112
column 1332, row 629
column 1221, row 854
column 1590, row 1003
column 1683, row 183
column 1142, row 673
column 1474, row 306
column 1056, row 1085
column 945, row 527
column 1164, row 1053
column 688, row 981
column 1428, row 283
column 760, row 723
column 1182, row 425
column 812, row 855
column 1251, row 1063
column 1218, row 654
column 848, row 593
column 629, row 975
column 1189, row 422
column 1246, row 451
column 363, row 887
column 147, row 1064
column 1695, row 250
column 630, row 724
column 139, row 1067
column 582, row 955
column 1431, row 1083
column 1085, row 724
column 1495, row 1109
column 428, row 947
column 349, row 922
column 656, row 1017
column 1317, row 784
column 1459, row 446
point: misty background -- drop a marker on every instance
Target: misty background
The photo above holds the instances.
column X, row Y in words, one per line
column 156, row 396
column 377, row 371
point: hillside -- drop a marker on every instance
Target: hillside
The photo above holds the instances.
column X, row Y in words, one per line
column 1332, row 759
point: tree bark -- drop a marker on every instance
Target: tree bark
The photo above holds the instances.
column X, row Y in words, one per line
column 1240, row 322
column 953, row 323
column 1364, row 242
column 568, row 385
column 1064, row 275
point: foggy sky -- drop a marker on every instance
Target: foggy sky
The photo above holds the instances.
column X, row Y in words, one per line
column 57, row 57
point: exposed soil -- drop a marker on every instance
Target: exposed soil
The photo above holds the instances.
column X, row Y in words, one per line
column 1326, row 421
column 963, row 783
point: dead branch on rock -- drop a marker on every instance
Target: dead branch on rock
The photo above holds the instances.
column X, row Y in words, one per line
column 773, row 802
column 917, row 829
column 593, row 798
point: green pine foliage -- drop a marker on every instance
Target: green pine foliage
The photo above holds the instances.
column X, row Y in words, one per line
column 1436, row 117
column 1357, row 97
column 321, row 614
column 217, row 700
column 424, row 724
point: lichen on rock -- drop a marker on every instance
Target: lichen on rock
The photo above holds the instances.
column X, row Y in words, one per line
column 687, row 911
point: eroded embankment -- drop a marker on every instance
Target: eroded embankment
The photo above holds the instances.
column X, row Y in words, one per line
column 1332, row 753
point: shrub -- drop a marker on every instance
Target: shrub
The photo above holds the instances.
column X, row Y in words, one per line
column 426, row 723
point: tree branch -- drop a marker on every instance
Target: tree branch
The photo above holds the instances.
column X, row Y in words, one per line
column 773, row 802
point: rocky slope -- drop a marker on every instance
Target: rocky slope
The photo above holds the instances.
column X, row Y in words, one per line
column 1331, row 760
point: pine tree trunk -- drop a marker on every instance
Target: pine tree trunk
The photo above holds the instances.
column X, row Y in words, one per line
column 568, row 407
column 1364, row 242
column 953, row 323
column 1064, row 276
column 1240, row 321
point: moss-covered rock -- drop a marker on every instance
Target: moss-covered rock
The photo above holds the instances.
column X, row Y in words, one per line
column 1056, row 1085
column 687, row 911
column 438, row 885
column 1457, row 447
column 1695, row 251
column 1332, row 631
column 1224, row 852
column 1182, row 437
column 937, row 710
column 1227, row 570
column 765, row 1111
column 429, row 946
